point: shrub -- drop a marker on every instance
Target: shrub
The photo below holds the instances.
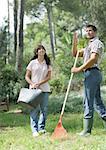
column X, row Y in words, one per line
column 73, row 103
column 10, row 83
column 57, row 84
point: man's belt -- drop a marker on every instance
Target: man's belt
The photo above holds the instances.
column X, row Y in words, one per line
column 92, row 68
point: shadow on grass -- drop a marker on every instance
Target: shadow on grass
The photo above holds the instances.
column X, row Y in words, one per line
column 13, row 118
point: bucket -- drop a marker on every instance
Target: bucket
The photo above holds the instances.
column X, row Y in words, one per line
column 30, row 98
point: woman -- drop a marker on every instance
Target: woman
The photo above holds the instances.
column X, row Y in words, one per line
column 37, row 75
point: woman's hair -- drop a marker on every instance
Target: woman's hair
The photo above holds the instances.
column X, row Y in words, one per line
column 47, row 59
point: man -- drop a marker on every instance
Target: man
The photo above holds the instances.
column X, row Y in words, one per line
column 92, row 55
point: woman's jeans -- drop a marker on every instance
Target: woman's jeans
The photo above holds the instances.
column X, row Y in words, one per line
column 38, row 115
column 92, row 95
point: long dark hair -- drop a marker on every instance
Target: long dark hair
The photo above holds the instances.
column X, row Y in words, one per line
column 47, row 59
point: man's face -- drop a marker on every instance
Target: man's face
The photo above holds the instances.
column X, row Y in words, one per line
column 90, row 33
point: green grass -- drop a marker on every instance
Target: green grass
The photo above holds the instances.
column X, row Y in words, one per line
column 15, row 133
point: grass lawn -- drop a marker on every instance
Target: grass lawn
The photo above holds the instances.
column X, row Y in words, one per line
column 15, row 133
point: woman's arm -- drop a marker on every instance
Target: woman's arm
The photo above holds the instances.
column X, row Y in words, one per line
column 28, row 77
column 36, row 85
column 47, row 78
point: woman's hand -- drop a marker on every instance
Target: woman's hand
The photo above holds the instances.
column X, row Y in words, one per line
column 35, row 85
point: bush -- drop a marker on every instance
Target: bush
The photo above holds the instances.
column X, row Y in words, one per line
column 103, row 68
column 73, row 103
column 10, row 83
column 57, row 84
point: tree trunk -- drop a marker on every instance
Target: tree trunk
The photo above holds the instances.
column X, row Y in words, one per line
column 51, row 29
column 15, row 27
column 19, row 52
column 8, row 35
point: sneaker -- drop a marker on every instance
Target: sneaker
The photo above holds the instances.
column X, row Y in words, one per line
column 35, row 134
column 42, row 131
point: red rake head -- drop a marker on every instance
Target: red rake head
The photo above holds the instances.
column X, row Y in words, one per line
column 59, row 132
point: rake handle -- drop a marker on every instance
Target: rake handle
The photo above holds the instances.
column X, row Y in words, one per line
column 69, row 84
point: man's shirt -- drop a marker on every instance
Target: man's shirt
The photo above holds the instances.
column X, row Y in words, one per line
column 94, row 46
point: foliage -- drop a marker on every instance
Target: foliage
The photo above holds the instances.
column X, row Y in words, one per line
column 58, row 84
column 96, row 15
column 7, row 83
column 63, row 64
column 68, row 16
column 31, row 6
column 74, row 101
column 34, row 35
column 103, row 68
column 70, row 6
column 10, row 83
column 15, row 132
column 3, row 39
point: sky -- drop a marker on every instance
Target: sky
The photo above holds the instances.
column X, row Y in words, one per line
column 3, row 9
column 4, row 12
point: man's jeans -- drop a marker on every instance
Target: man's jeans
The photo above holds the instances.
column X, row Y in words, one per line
column 38, row 115
column 92, row 95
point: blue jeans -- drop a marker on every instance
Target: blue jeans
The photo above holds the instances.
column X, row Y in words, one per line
column 92, row 94
column 38, row 115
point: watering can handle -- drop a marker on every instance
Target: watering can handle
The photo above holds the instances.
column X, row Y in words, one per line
column 69, row 84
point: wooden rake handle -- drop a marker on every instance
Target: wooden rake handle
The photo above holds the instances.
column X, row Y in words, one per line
column 70, row 81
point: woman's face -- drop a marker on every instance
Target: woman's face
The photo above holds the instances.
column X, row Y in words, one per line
column 41, row 52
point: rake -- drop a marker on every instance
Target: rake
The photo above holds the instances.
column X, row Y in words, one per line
column 60, row 132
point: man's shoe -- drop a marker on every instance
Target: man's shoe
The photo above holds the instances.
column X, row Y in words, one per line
column 104, row 118
column 42, row 132
column 84, row 134
column 35, row 134
column 87, row 127
column 104, row 124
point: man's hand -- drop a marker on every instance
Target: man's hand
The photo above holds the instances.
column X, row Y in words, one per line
column 93, row 59
column 74, row 45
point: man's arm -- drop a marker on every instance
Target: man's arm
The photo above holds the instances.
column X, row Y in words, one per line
column 74, row 46
column 93, row 59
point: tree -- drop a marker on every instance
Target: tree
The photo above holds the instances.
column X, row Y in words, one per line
column 51, row 29
column 33, row 9
column 8, row 34
column 15, row 27
column 19, row 52
column 96, row 14
column 3, row 41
